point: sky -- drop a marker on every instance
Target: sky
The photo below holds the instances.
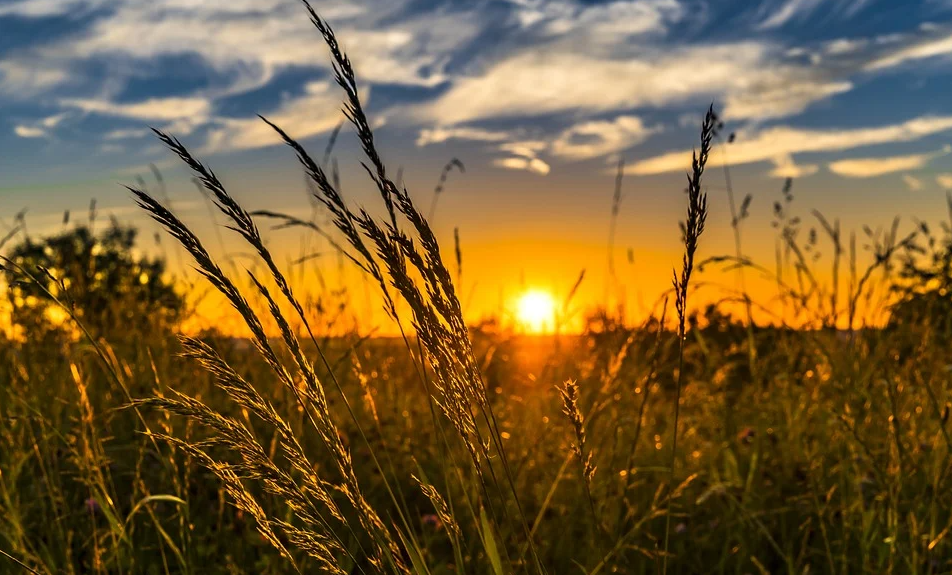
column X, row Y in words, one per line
column 539, row 99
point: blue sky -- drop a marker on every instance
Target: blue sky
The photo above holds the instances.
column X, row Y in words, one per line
column 533, row 83
column 538, row 98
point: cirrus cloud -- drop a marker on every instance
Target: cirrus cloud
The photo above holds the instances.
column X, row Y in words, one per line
column 913, row 183
column 439, row 135
column 782, row 142
column 29, row 131
column 540, row 82
column 161, row 109
column 316, row 112
column 534, row 165
column 586, row 80
column 785, row 167
column 872, row 167
column 599, row 138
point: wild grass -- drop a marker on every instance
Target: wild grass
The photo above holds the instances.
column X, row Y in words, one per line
column 715, row 446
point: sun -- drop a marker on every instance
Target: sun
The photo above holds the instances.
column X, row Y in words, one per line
column 535, row 311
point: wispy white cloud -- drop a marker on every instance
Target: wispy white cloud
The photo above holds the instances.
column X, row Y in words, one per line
column 594, row 139
column 785, row 167
column 41, row 128
column 581, row 141
column 606, row 22
column 27, row 76
column 29, row 132
column 570, row 63
column 317, row 111
column 913, row 183
column 920, row 50
column 560, row 80
column 156, row 109
column 45, row 8
column 534, row 165
column 245, row 42
column 527, row 148
column 788, row 11
column 524, row 155
column 255, row 38
column 54, row 120
column 799, row 10
column 784, row 93
column 126, row 134
column 178, row 115
column 314, row 112
column 944, row 181
column 754, row 80
column 842, row 46
column 872, row 167
column 781, row 142
column 443, row 134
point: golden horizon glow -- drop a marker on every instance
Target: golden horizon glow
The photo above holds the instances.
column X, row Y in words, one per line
column 535, row 311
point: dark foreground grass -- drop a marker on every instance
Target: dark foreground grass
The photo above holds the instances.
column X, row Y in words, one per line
column 835, row 462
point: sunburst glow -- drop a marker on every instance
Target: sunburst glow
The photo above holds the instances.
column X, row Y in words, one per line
column 535, row 311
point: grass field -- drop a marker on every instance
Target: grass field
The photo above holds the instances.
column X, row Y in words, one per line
column 695, row 442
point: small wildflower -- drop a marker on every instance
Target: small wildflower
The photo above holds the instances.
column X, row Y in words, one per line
column 432, row 520
column 443, row 517
column 868, row 488
column 746, row 436
column 91, row 505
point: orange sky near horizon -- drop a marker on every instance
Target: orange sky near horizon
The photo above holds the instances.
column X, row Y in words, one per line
column 498, row 274
column 539, row 238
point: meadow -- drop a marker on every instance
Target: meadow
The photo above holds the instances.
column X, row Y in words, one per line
column 694, row 442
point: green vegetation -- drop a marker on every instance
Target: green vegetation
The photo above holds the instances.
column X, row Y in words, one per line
column 711, row 447
column 97, row 276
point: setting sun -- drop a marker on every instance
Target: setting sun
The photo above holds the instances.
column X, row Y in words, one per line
column 535, row 311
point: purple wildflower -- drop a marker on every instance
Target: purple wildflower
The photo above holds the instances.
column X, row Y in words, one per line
column 92, row 505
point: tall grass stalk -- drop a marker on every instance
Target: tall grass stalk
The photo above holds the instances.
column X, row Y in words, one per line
column 738, row 215
column 611, row 282
column 692, row 229
column 440, row 185
column 392, row 257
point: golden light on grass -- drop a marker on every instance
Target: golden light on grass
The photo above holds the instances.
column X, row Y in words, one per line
column 535, row 311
